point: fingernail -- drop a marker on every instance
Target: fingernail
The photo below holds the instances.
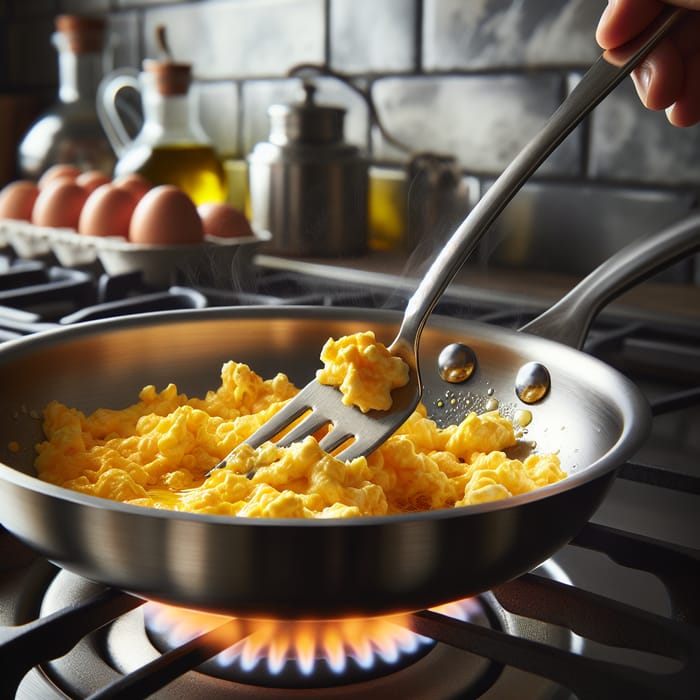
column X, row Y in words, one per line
column 669, row 114
column 642, row 79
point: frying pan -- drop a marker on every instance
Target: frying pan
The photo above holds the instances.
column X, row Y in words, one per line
column 593, row 416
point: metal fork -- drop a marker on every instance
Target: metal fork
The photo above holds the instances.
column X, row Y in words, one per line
column 364, row 432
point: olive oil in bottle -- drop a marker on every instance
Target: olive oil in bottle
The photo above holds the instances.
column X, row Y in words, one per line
column 171, row 147
column 194, row 168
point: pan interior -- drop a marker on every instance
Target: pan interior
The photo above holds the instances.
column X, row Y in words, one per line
column 308, row 569
column 107, row 363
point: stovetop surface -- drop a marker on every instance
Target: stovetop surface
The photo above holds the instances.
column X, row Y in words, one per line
column 640, row 550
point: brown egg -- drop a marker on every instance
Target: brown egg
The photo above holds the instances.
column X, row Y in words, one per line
column 92, row 179
column 107, row 212
column 17, row 200
column 166, row 215
column 59, row 170
column 59, row 204
column 224, row 221
column 134, row 182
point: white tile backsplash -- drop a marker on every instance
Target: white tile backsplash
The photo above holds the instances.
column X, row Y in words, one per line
column 631, row 143
column 482, row 120
column 482, row 34
column 367, row 36
column 219, row 109
column 241, row 39
column 471, row 78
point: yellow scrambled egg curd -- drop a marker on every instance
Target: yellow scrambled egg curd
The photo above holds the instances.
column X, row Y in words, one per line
column 363, row 369
column 158, row 451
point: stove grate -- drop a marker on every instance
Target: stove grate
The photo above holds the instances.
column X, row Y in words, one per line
column 587, row 614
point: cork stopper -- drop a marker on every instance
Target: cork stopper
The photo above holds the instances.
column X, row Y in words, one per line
column 83, row 34
column 170, row 78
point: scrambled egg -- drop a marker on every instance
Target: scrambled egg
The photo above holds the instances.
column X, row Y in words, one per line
column 158, row 451
column 363, row 369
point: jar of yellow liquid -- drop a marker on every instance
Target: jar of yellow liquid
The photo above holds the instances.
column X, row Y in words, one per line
column 171, row 147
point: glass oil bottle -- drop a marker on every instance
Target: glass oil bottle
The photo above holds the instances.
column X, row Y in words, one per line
column 69, row 131
column 171, row 146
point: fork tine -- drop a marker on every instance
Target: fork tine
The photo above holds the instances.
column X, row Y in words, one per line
column 324, row 406
column 335, row 437
column 295, row 408
column 309, row 425
column 359, row 448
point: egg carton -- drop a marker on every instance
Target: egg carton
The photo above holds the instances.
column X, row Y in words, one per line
column 28, row 240
column 215, row 258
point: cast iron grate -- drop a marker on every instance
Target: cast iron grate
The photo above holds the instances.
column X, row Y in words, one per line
column 589, row 615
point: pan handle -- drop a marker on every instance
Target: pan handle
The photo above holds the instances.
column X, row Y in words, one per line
column 569, row 320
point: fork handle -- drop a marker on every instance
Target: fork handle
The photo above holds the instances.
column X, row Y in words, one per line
column 600, row 79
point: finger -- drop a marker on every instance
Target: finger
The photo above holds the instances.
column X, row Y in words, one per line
column 687, row 35
column 622, row 20
column 659, row 79
column 686, row 109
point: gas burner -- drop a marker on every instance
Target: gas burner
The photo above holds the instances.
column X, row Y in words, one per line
column 295, row 653
column 120, row 649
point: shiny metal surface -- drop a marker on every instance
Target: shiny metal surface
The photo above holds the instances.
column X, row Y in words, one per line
column 456, row 363
column 307, row 187
column 532, row 382
column 596, row 221
column 292, row 567
column 593, row 417
column 569, row 319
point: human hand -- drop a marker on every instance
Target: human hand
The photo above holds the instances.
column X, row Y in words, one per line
column 669, row 77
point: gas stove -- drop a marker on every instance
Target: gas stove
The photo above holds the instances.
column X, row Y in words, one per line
column 615, row 613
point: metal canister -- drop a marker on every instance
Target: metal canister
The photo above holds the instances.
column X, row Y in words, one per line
column 307, row 186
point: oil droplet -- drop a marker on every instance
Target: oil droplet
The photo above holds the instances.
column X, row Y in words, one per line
column 532, row 382
column 440, row 403
column 491, row 405
column 523, row 418
column 490, row 392
column 456, row 363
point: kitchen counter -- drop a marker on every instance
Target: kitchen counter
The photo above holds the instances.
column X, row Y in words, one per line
column 522, row 288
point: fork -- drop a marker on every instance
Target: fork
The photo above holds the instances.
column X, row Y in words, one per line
column 361, row 433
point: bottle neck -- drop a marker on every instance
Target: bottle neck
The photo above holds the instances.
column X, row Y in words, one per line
column 79, row 75
column 171, row 119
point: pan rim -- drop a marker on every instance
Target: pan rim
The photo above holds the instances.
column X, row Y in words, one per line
column 630, row 402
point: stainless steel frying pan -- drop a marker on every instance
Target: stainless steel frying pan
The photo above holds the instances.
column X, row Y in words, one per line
column 593, row 416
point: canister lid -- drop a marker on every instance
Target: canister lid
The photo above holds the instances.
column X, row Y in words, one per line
column 306, row 122
column 82, row 33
